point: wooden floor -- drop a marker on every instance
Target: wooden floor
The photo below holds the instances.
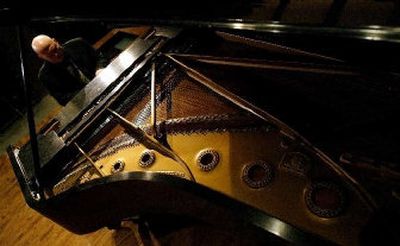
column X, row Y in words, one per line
column 21, row 225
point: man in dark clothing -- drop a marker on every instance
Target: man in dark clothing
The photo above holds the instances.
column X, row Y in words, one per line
column 67, row 68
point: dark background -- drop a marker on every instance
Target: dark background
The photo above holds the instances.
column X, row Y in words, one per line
column 334, row 13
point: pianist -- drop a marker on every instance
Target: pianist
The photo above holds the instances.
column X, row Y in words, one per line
column 67, row 67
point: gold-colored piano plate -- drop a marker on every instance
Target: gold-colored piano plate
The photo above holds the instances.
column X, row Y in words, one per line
column 283, row 197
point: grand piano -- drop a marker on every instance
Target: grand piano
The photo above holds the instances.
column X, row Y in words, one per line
column 269, row 130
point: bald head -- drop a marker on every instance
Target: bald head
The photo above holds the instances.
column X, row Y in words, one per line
column 41, row 42
column 47, row 48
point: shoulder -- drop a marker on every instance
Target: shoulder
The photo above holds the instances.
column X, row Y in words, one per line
column 77, row 41
column 78, row 48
